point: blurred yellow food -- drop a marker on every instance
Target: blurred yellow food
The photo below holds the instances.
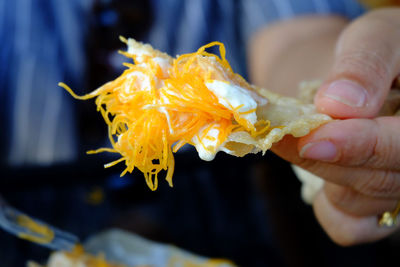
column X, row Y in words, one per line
column 43, row 234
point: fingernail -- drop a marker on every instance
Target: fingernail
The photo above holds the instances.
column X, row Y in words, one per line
column 322, row 150
column 347, row 92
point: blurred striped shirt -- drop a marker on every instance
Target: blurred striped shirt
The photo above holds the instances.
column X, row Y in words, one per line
column 43, row 42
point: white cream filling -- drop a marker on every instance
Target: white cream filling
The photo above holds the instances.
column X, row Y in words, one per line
column 233, row 96
column 142, row 81
column 163, row 63
column 207, row 146
column 230, row 96
column 138, row 51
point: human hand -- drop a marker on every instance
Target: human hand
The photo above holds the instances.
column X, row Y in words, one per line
column 358, row 156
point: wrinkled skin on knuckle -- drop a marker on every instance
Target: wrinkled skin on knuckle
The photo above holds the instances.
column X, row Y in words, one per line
column 380, row 155
column 339, row 195
column 363, row 63
column 387, row 146
column 373, row 157
column 379, row 148
column 379, row 184
column 322, row 170
column 360, row 148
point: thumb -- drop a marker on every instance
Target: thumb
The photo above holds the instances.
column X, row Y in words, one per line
column 367, row 61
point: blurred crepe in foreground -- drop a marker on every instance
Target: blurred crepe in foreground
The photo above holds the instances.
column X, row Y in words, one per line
column 117, row 248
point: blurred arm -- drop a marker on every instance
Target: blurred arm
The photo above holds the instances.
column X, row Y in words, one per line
column 286, row 53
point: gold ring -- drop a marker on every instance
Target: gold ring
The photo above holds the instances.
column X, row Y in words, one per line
column 389, row 218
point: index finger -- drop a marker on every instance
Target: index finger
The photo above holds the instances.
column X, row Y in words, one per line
column 362, row 143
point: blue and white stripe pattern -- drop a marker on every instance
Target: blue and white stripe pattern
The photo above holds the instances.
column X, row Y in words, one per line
column 193, row 23
column 42, row 42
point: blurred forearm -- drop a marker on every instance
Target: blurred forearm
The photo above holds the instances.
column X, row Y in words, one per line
column 282, row 55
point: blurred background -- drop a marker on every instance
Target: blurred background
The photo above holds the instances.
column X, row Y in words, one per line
column 246, row 209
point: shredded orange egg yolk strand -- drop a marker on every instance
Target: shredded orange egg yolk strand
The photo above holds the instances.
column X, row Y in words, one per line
column 148, row 109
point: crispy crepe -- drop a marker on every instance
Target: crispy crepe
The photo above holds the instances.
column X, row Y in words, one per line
column 168, row 256
column 160, row 103
column 75, row 258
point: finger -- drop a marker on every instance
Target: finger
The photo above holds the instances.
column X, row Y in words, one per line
column 370, row 182
column 345, row 229
column 366, row 62
column 355, row 142
column 354, row 203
